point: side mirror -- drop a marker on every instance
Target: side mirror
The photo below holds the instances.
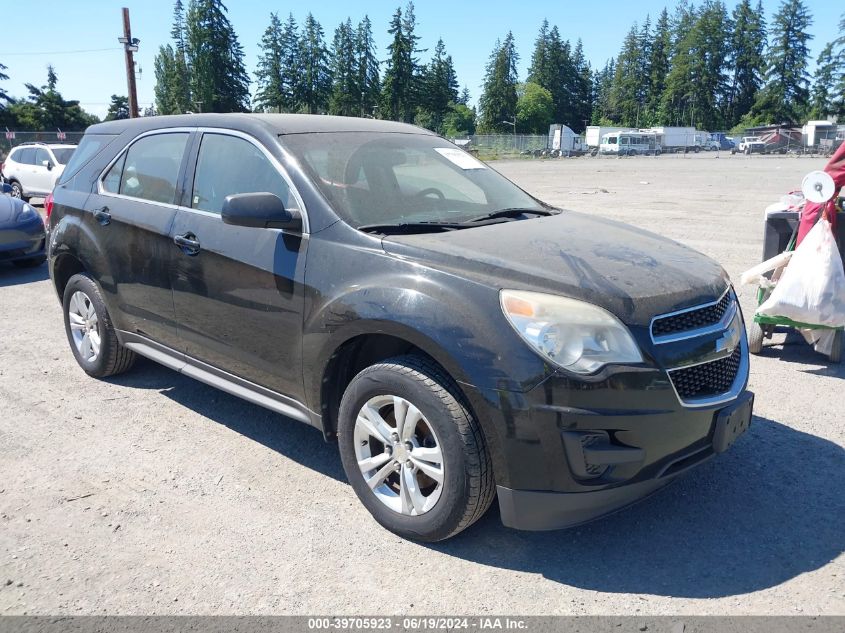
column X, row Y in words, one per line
column 260, row 210
column 48, row 164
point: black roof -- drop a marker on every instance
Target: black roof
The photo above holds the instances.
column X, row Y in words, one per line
column 278, row 123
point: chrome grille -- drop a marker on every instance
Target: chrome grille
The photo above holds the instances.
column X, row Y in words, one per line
column 693, row 319
column 708, row 379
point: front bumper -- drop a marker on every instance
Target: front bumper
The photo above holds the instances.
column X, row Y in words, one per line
column 23, row 241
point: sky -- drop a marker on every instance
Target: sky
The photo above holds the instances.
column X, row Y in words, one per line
column 79, row 37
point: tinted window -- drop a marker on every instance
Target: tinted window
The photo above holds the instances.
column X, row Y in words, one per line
column 89, row 147
column 26, row 156
column 227, row 165
column 63, row 154
column 41, row 155
column 111, row 182
column 150, row 168
column 611, row 140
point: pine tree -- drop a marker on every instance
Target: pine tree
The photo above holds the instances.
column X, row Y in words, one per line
column 746, row 45
column 400, row 90
column 538, row 71
column 824, row 83
column 785, row 96
column 464, row 98
column 499, row 98
column 346, row 92
column 661, row 49
column 291, row 65
column 367, row 67
column 269, row 73
column 626, row 91
column 602, row 85
column 118, row 108
column 4, row 96
column 181, row 79
column 583, row 90
column 219, row 81
column 440, row 89
column 316, row 84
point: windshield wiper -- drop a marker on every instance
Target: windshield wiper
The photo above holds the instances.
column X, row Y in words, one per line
column 512, row 212
column 411, row 227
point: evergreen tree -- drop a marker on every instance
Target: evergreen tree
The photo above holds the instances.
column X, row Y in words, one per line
column 602, row 86
column 4, row 96
column 46, row 109
column 440, row 88
column 181, row 80
column 346, row 92
column 746, row 45
column 289, row 43
column 269, row 73
column 675, row 106
column 219, row 81
column 316, row 84
column 583, row 89
column 785, row 97
column 499, row 98
column 824, row 84
column 626, row 91
column 399, row 92
column 464, row 98
column 367, row 67
column 661, row 49
column 539, row 72
column 118, row 108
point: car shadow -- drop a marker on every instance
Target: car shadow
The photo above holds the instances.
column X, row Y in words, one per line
column 768, row 510
column 11, row 275
column 291, row 438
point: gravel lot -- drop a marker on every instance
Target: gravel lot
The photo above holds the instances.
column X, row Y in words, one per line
column 152, row 493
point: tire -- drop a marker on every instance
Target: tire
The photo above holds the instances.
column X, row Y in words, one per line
column 755, row 338
column 835, row 356
column 82, row 296
column 466, row 487
column 632, row 152
column 30, row 263
column 17, row 190
column 657, row 152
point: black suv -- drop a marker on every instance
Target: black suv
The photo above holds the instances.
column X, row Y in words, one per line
column 460, row 339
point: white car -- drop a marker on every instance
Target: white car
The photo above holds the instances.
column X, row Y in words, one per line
column 32, row 169
column 751, row 145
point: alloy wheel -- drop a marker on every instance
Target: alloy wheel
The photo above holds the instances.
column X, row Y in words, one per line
column 399, row 455
column 84, row 326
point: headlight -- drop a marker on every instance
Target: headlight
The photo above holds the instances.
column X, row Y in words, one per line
column 27, row 213
column 574, row 335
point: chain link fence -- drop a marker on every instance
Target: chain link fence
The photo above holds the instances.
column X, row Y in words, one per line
column 503, row 143
column 6, row 144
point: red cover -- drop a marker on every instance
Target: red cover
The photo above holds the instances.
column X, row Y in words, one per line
column 836, row 168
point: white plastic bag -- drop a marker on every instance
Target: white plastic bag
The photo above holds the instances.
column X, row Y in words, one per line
column 812, row 288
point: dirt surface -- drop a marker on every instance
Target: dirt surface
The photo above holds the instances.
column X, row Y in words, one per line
column 152, row 493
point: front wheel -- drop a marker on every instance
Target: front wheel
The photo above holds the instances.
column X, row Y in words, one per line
column 755, row 338
column 835, row 356
column 412, row 450
column 90, row 331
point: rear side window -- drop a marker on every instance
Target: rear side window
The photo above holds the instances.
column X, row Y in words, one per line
column 149, row 168
column 89, row 146
column 228, row 165
column 26, row 156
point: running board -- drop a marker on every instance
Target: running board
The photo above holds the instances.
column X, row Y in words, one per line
column 217, row 378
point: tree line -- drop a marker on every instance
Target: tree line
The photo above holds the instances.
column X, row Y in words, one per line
column 700, row 65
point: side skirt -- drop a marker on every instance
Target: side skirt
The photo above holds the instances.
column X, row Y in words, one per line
column 218, row 378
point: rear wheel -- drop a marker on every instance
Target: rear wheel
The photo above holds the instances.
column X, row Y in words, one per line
column 412, row 450
column 90, row 331
column 17, row 190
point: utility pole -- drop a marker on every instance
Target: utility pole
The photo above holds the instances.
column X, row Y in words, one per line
column 130, row 46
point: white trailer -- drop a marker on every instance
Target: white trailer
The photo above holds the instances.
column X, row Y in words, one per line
column 593, row 134
column 564, row 141
column 677, row 139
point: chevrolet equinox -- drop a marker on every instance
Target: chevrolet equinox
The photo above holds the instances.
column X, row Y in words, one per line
column 460, row 339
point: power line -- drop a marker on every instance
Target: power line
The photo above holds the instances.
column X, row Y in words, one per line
column 88, row 50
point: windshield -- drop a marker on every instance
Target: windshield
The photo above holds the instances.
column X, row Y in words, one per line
column 373, row 179
column 63, row 154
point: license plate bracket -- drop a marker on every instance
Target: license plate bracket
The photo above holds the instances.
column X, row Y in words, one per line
column 732, row 422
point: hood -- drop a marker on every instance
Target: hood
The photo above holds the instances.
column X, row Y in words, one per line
column 630, row 272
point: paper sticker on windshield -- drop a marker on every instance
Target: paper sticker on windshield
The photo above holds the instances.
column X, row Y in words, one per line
column 460, row 158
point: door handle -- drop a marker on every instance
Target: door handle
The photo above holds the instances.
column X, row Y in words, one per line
column 102, row 215
column 188, row 243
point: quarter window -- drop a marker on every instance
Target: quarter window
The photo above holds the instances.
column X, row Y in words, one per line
column 149, row 168
column 229, row 165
